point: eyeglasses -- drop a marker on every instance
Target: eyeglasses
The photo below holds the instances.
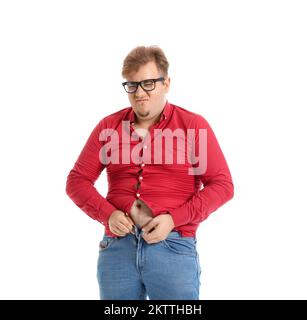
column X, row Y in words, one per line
column 147, row 85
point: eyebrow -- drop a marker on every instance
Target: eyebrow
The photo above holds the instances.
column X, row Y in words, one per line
column 140, row 81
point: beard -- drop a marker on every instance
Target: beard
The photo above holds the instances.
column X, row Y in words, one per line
column 143, row 114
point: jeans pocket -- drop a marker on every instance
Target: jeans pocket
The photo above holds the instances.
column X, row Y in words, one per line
column 105, row 243
column 181, row 245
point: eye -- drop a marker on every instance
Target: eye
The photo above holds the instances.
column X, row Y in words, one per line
column 130, row 86
column 148, row 84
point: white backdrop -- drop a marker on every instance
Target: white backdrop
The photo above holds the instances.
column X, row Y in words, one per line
column 241, row 64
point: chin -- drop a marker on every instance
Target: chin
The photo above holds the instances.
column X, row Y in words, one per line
column 144, row 115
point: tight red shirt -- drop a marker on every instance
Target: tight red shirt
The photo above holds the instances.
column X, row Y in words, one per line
column 164, row 187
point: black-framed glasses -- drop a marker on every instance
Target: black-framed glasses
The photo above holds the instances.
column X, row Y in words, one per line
column 147, row 84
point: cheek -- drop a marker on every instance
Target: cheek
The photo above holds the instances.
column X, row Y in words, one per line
column 155, row 97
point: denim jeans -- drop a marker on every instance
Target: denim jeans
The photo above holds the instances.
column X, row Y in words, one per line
column 129, row 268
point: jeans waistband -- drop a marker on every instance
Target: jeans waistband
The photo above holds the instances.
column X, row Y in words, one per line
column 138, row 231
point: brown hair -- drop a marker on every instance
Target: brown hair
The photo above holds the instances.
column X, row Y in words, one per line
column 140, row 56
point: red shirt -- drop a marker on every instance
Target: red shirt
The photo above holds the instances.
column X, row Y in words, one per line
column 162, row 186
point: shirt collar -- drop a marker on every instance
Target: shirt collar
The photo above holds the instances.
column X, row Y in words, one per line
column 165, row 113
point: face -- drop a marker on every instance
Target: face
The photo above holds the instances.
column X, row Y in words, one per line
column 148, row 105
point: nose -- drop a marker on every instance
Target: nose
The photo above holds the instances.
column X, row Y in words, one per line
column 141, row 91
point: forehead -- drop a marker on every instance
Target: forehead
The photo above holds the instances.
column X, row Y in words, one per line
column 147, row 71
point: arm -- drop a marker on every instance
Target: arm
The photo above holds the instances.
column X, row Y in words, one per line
column 217, row 181
column 81, row 179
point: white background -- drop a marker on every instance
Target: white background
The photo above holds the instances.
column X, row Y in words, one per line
column 241, row 64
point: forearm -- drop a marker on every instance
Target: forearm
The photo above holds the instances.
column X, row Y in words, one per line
column 83, row 193
column 203, row 202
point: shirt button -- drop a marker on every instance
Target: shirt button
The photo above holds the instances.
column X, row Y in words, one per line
column 137, row 194
column 143, row 165
column 145, row 147
column 141, row 178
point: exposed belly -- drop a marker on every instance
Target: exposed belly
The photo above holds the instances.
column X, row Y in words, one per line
column 140, row 213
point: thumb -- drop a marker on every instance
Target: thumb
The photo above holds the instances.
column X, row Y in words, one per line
column 151, row 224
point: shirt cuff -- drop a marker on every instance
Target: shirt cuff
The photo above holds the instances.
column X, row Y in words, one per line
column 99, row 208
column 105, row 214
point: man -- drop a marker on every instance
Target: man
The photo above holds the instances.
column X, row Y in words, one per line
column 155, row 202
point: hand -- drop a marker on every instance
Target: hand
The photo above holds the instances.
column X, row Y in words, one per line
column 163, row 224
column 120, row 223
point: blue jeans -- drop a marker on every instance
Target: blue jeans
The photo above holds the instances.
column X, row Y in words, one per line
column 129, row 268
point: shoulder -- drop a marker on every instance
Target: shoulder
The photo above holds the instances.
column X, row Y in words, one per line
column 191, row 119
column 113, row 120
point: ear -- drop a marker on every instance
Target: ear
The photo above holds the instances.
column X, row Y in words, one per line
column 167, row 83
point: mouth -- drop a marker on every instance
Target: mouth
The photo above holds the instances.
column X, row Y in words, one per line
column 142, row 100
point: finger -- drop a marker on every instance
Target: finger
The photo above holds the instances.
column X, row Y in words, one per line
column 128, row 223
column 131, row 221
column 151, row 240
column 151, row 236
column 128, row 226
column 123, row 227
column 117, row 231
column 150, row 225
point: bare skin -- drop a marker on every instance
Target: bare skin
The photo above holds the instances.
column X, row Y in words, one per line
column 155, row 229
column 140, row 213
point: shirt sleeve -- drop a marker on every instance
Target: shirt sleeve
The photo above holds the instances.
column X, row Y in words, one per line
column 81, row 179
column 216, row 179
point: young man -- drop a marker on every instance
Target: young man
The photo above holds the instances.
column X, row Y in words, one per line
column 157, row 156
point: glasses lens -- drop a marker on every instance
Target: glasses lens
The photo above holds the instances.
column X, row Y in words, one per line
column 148, row 84
column 130, row 87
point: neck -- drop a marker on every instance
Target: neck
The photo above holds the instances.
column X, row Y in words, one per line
column 147, row 123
